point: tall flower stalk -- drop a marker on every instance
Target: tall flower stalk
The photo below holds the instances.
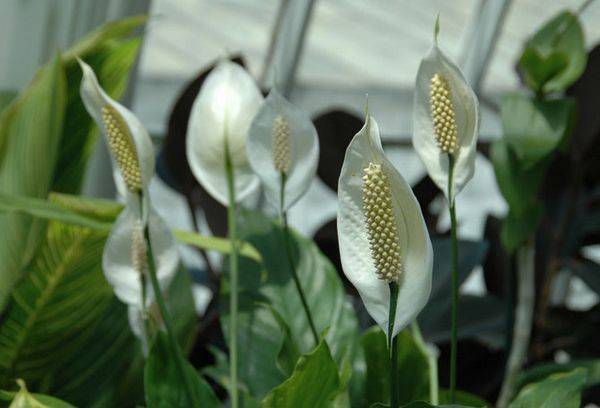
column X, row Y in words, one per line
column 446, row 123
column 384, row 245
column 140, row 247
column 283, row 150
column 216, row 150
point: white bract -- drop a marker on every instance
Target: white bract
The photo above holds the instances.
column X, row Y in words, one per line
column 220, row 118
column 446, row 121
column 282, row 139
column 381, row 231
column 125, row 259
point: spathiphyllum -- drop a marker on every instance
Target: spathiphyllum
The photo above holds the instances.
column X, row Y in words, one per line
column 283, row 145
column 283, row 150
column 384, row 243
column 216, row 151
column 125, row 259
column 219, row 121
column 446, row 124
column 446, row 121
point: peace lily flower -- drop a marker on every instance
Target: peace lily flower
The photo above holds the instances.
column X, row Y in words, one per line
column 220, row 118
column 282, row 142
column 446, row 121
column 125, row 261
column 382, row 234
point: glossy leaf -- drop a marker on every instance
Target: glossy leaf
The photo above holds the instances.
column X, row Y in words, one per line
column 270, row 281
column 517, row 229
column 555, row 56
column 533, row 128
column 99, row 214
column 24, row 399
column 414, row 369
column 162, row 382
column 313, row 383
column 28, row 156
column 540, row 371
column 557, row 390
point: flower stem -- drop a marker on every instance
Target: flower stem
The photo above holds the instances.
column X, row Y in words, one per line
column 233, row 280
column 431, row 362
column 393, row 347
column 290, row 256
column 454, row 274
column 523, row 321
column 179, row 360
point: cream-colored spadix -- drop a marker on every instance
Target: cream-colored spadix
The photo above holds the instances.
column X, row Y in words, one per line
column 446, row 121
column 381, row 231
column 282, row 139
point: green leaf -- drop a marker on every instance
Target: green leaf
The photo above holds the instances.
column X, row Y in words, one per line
column 163, row 383
column 534, row 128
column 541, row 371
column 557, row 390
column 64, row 299
column 555, row 56
column 424, row 404
column 6, row 97
column 270, row 281
column 24, row 399
column 99, row 215
column 314, row 382
column 518, row 185
column 517, row 229
column 412, row 363
column 288, row 352
column 464, row 398
column 30, row 131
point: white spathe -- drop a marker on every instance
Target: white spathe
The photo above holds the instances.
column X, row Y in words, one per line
column 357, row 262
column 221, row 115
column 117, row 260
column 466, row 109
column 303, row 145
column 95, row 98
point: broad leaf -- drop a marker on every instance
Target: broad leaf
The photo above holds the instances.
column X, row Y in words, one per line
column 557, row 390
column 413, row 374
column 314, row 382
column 24, row 399
column 555, row 56
column 533, row 128
column 541, row 371
column 163, row 383
column 270, row 281
column 30, row 132
column 99, row 215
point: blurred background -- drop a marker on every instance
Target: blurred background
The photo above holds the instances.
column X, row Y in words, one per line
column 326, row 54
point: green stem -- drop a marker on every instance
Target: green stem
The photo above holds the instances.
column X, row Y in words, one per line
column 290, row 256
column 233, row 284
column 393, row 347
column 454, row 272
column 431, row 362
column 179, row 360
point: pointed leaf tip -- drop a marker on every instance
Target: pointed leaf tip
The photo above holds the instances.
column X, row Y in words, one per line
column 436, row 29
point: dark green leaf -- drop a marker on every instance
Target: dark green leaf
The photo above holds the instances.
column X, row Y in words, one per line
column 533, row 128
column 314, row 382
column 30, row 130
column 555, row 56
column 424, row 404
column 163, row 383
column 24, row 399
column 517, row 229
column 259, row 335
column 412, row 363
column 541, row 371
column 519, row 186
column 557, row 390
column 464, row 398
column 99, row 214
column 288, row 353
